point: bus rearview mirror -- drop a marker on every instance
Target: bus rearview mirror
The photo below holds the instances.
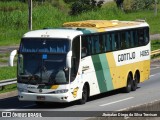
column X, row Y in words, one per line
column 11, row 57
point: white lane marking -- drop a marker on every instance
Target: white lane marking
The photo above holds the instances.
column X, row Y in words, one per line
column 10, row 110
column 154, row 74
column 116, row 101
column 155, row 68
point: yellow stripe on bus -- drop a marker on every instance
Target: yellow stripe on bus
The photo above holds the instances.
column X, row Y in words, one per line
column 54, row 86
column 119, row 74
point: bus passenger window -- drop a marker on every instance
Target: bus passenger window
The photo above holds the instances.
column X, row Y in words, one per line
column 135, row 36
column 123, row 40
column 84, row 46
column 146, row 37
column 108, row 43
column 113, row 41
column 141, row 37
column 128, row 39
column 84, row 52
column 102, row 43
column 117, row 41
column 95, row 45
column 132, row 39
column 89, row 45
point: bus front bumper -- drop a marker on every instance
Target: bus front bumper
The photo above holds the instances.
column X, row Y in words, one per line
column 63, row 97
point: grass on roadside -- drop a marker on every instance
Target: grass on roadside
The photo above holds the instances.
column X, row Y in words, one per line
column 7, row 72
column 14, row 18
column 9, row 88
column 155, row 44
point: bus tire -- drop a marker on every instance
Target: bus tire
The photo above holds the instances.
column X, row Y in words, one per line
column 127, row 89
column 84, row 95
column 135, row 82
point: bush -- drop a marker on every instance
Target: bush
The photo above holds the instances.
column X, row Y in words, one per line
column 84, row 5
column 135, row 5
column 119, row 3
column 69, row 1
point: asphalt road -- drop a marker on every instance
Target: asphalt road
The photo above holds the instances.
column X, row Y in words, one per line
column 112, row 101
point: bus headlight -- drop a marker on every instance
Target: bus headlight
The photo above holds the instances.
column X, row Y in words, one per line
column 61, row 91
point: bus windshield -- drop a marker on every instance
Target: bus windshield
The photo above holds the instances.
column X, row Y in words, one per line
column 43, row 61
column 42, row 45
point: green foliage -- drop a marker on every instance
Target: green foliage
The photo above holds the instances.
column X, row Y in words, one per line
column 155, row 44
column 14, row 18
column 135, row 5
column 7, row 72
column 9, row 88
column 119, row 3
column 81, row 6
column 60, row 4
column 69, row 1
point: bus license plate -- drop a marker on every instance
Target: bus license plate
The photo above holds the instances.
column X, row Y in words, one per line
column 40, row 97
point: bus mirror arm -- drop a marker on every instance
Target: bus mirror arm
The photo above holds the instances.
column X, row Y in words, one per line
column 68, row 59
column 11, row 57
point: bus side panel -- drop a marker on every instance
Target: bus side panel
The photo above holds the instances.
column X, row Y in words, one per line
column 130, row 60
column 108, row 72
column 88, row 75
column 102, row 72
column 119, row 74
column 145, row 72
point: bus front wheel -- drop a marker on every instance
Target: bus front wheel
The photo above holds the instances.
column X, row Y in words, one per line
column 84, row 95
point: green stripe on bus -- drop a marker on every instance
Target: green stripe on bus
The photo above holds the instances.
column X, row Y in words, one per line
column 99, row 73
column 106, row 72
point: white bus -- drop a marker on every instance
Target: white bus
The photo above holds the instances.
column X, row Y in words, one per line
column 82, row 59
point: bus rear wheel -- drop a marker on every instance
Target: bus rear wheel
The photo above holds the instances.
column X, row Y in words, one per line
column 84, row 95
column 135, row 83
column 128, row 87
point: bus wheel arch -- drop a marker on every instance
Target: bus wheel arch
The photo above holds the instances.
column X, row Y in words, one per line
column 85, row 93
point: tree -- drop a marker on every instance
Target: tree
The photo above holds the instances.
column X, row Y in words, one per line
column 119, row 3
column 80, row 6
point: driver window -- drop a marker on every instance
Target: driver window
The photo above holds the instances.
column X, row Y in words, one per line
column 75, row 57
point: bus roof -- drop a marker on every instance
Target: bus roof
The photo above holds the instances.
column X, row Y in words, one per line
column 105, row 25
column 53, row 33
column 73, row 29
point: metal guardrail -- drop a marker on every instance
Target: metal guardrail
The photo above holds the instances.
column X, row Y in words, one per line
column 7, row 82
column 155, row 52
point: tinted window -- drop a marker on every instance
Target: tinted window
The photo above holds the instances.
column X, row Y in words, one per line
column 116, row 40
column 44, row 45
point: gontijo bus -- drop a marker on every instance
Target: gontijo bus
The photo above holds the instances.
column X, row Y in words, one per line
column 82, row 59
